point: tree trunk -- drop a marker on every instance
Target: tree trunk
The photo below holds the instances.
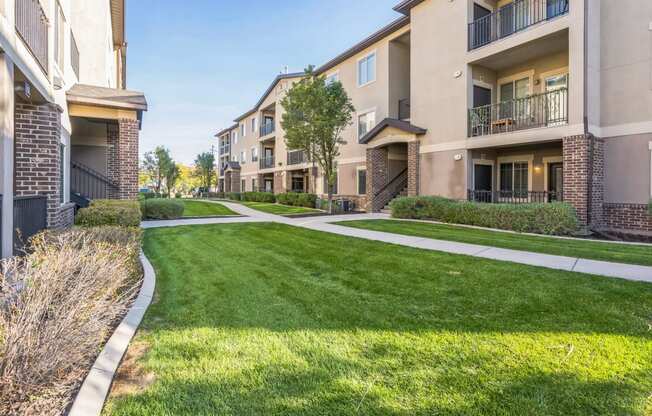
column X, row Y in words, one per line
column 330, row 201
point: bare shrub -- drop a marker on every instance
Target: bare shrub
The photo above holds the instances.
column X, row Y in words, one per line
column 57, row 307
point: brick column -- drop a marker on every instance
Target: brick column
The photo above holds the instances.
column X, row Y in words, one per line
column 377, row 171
column 584, row 178
column 279, row 186
column 37, row 151
column 413, row 168
column 235, row 181
column 122, row 140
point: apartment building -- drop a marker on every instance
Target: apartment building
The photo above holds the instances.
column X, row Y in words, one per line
column 488, row 100
column 69, row 127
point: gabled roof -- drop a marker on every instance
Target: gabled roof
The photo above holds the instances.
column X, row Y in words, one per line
column 107, row 97
column 232, row 165
column 118, row 21
column 406, row 5
column 364, row 44
column 269, row 90
column 226, row 130
column 392, row 122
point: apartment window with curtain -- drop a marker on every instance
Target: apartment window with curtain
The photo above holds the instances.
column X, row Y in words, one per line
column 362, row 181
column 366, row 122
column 367, row 69
column 514, row 178
column 254, row 154
column 254, row 125
column 59, row 36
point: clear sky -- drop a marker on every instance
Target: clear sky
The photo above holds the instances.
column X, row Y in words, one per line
column 201, row 63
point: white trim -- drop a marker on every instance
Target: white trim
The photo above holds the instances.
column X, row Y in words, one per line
column 335, row 73
column 352, row 160
column 515, row 159
column 529, row 74
column 546, row 162
column 555, row 72
column 630, row 129
column 357, row 120
column 484, row 162
column 357, row 68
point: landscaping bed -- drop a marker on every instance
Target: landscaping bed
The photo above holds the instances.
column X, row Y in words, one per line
column 588, row 249
column 255, row 319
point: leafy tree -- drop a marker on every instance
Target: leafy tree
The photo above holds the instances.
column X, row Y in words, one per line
column 316, row 115
column 171, row 177
column 187, row 179
column 157, row 164
column 205, row 169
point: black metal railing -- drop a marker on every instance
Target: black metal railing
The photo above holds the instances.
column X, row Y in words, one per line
column 74, row 54
column 404, row 109
column 90, row 183
column 548, row 109
column 297, row 157
column 513, row 18
column 32, row 27
column 515, row 197
column 30, row 218
column 267, row 162
column 392, row 189
column 267, row 128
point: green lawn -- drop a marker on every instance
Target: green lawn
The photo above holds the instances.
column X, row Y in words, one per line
column 205, row 209
column 266, row 319
column 596, row 250
column 279, row 209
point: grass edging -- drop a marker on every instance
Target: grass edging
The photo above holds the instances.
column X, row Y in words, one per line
column 94, row 391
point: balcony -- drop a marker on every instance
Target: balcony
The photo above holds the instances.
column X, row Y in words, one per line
column 404, row 109
column 267, row 128
column 297, row 157
column 548, row 109
column 513, row 18
column 267, row 162
column 32, row 27
column 514, row 197
column 225, row 150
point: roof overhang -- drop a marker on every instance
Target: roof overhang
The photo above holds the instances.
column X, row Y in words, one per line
column 403, row 127
column 118, row 21
column 90, row 95
column 267, row 92
column 405, row 6
column 226, row 130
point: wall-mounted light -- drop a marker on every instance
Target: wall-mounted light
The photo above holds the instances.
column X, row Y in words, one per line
column 538, row 169
column 457, row 74
column 458, row 157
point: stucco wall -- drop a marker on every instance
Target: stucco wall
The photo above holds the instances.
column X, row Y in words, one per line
column 627, row 169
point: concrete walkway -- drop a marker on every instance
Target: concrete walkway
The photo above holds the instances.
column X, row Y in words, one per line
column 324, row 224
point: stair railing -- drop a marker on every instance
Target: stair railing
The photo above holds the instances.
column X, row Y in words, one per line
column 390, row 190
column 89, row 183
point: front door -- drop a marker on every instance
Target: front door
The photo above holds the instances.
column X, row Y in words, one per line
column 483, row 183
column 269, row 185
column 556, row 181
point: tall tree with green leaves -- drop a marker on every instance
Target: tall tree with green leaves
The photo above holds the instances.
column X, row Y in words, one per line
column 157, row 164
column 316, row 115
column 205, row 169
column 171, row 178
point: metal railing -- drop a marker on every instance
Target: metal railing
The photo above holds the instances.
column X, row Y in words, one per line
column 30, row 218
column 90, row 183
column 267, row 128
column 388, row 192
column 225, row 150
column 297, row 157
column 404, row 109
column 32, row 27
column 74, row 54
column 548, row 109
column 514, row 197
column 512, row 18
column 267, row 162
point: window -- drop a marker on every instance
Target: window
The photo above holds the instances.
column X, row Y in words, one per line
column 243, row 157
column 59, row 32
column 243, row 184
column 254, row 154
column 367, row 69
column 62, row 172
column 254, row 123
column 234, row 137
column 297, row 184
column 334, row 189
column 243, row 131
column 253, row 185
column 362, row 181
column 514, row 179
column 334, row 77
column 366, row 122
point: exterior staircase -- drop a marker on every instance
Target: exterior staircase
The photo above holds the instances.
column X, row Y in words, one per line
column 387, row 209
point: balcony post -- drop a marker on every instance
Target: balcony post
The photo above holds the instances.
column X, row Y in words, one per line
column 7, row 103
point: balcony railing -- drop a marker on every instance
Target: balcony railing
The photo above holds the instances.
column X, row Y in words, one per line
column 404, row 109
column 30, row 218
column 267, row 128
column 74, row 54
column 32, row 27
column 297, row 157
column 267, row 162
column 225, row 150
column 513, row 18
column 548, row 109
column 514, row 197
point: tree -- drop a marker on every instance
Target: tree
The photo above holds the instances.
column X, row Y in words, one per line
column 157, row 164
column 316, row 115
column 205, row 169
column 171, row 177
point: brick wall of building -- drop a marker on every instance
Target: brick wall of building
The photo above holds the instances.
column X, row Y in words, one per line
column 413, row 168
column 377, row 176
column 627, row 217
column 122, row 163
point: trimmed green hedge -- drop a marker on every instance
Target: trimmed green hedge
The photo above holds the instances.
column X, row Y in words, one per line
column 259, row 197
column 161, row 209
column 297, row 199
column 649, row 207
column 552, row 219
column 234, row 196
column 109, row 212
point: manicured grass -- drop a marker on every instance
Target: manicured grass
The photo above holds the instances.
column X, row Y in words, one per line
column 595, row 250
column 266, row 319
column 279, row 209
column 205, row 209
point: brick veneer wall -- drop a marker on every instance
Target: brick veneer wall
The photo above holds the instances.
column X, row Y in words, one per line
column 583, row 160
column 122, row 163
column 279, row 185
column 234, row 180
column 377, row 176
column 413, row 168
column 627, row 217
column 38, row 155
column 66, row 216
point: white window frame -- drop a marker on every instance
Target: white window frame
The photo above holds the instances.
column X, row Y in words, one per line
column 357, row 180
column 254, row 125
column 243, row 157
column 357, row 68
column 335, row 75
column 235, row 137
column 357, row 120
column 243, row 129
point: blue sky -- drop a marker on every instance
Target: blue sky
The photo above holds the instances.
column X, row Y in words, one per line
column 205, row 62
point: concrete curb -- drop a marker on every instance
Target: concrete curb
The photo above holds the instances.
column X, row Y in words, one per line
column 93, row 393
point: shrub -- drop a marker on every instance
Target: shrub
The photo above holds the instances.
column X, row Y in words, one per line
column 649, row 207
column 60, row 304
column 178, row 195
column 234, row 196
column 161, row 209
column 307, row 200
column 150, row 195
column 552, row 218
column 259, row 197
column 297, row 199
column 109, row 212
column 282, row 199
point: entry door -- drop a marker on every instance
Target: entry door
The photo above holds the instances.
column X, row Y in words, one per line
column 511, row 94
column 556, row 108
column 556, row 181
column 481, row 117
column 483, row 182
column 269, row 185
